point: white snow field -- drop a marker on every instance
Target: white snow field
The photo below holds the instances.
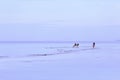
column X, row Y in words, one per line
column 64, row 63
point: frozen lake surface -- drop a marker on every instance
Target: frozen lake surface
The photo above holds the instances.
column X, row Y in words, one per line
column 22, row 61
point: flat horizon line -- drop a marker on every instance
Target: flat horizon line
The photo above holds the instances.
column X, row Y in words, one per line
column 56, row 41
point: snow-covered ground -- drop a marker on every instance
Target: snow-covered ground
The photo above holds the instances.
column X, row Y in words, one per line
column 67, row 63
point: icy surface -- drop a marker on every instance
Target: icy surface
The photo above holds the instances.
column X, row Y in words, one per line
column 67, row 63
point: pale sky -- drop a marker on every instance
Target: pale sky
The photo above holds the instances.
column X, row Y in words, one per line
column 59, row 20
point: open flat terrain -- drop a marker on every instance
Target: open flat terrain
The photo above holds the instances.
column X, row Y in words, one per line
column 65, row 63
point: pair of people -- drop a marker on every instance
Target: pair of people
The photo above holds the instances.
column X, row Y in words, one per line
column 77, row 45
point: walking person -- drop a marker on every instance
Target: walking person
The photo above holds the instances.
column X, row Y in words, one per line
column 93, row 44
column 77, row 45
column 74, row 45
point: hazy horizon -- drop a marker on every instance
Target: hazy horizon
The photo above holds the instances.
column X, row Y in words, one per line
column 64, row 20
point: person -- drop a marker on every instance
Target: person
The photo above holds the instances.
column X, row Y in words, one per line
column 75, row 45
column 93, row 44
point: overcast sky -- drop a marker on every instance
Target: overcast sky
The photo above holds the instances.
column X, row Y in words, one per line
column 59, row 20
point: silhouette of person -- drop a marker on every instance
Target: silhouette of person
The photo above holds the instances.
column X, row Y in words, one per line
column 93, row 44
column 75, row 45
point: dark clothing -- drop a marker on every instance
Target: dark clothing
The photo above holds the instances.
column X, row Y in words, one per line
column 76, row 45
column 93, row 44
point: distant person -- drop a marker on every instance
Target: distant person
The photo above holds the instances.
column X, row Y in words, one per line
column 74, row 45
column 93, row 44
column 77, row 45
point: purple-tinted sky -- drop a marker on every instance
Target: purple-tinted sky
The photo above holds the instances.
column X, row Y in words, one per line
column 59, row 20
